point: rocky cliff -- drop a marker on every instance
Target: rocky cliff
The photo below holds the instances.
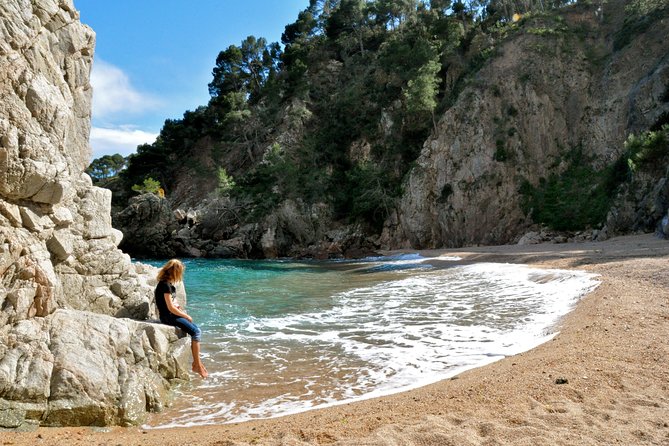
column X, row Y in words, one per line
column 558, row 86
column 69, row 355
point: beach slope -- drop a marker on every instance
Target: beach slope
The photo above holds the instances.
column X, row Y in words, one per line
column 602, row 380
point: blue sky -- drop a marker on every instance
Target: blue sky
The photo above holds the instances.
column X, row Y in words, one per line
column 153, row 58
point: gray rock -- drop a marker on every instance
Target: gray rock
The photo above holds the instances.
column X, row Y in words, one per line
column 233, row 248
column 66, row 355
column 11, row 417
column 77, row 366
column 531, row 238
column 147, row 225
column 664, row 226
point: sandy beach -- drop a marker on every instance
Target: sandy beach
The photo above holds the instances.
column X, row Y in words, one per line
column 602, row 380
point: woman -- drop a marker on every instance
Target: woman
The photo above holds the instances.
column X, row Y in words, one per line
column 170, row 312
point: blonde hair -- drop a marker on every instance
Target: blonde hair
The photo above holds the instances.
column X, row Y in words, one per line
column 172, row 271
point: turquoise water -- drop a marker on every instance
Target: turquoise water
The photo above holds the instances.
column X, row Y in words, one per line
column 282, row 337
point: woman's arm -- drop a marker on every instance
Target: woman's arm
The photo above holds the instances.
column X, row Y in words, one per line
column 173, row 309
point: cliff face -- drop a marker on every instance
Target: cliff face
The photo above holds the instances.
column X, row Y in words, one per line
column 65, row 356
column 546, row 92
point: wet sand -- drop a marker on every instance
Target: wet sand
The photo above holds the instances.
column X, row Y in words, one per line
column 603, row 380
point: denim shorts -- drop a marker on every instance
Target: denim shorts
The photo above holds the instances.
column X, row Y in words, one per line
column 187, row 326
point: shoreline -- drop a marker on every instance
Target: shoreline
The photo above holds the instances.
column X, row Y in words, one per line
column 610, row 349
column 559, row 297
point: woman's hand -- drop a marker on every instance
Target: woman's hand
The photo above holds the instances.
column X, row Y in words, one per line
column 175, row 309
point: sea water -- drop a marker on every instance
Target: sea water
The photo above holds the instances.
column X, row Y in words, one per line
column 283, row 336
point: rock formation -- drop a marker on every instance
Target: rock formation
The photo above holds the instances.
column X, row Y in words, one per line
column 148, row 224
column 67, row 355
column 294, row 229
column 538, row 98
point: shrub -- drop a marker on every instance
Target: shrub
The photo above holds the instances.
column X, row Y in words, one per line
column 645, row 150
column 661, row 121
column 150, row 186
column 371, row 194
column 578, row 198
column 225, row 182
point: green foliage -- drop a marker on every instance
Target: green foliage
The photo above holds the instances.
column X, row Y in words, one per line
column 581, row 196
column 665, row 95
column 107, row 166
column 354, row 91
column 661, row 121
column 302, row 29
column 245, row 69
column 370, row 194
column 640, row 15
column 172, row 150
column 501, row 153
column 648, row 149
column 149, row 186
column 225, row 182
column 504, row 10
column 643, row 7
column 446, row 192
column 392, row 13
column 346, row 19
column 575, row 199
column 421, row 92
column 525, row 78
column 274, row 178
column 480, row 59
column 546, row 31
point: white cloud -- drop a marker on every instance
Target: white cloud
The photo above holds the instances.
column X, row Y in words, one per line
column 123, row 140
column 114, row 94
column 115, row 99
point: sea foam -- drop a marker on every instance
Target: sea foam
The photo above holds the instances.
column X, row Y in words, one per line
column 405, row 324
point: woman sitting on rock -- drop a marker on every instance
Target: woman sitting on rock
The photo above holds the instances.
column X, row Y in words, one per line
column 172, row 314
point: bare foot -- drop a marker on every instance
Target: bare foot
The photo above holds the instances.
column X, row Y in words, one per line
column 200, row 369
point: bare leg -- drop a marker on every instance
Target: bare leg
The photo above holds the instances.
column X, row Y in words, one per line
column 198, row 367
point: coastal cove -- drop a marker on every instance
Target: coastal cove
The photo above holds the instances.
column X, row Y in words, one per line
column 285, row 336
column 610, row 351
column 531, row 151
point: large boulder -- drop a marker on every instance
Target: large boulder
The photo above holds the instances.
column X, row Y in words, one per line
column 149, row 227
column 74, row 368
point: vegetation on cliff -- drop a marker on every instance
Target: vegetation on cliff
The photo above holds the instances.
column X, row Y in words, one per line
column 340, row 110
column 358, row 83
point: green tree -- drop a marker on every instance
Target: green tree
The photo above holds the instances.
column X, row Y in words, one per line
column 648, row 150
column 421, row 92
column 352, row 96
column 303, row 28
column 225, row 182
column 347, row 25
column 245, row 69
column 441, row 7
column 149, row 186
column 107, row 166
column 392, row 13
column 370, row 195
